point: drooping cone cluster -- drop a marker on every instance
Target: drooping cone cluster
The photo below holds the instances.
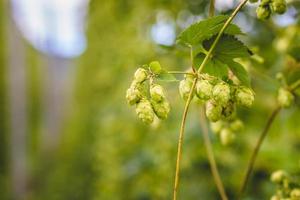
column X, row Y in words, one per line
column 227, row 130
column 286, row 188
column 267, row 7
column 220, row 97
column 150, row 102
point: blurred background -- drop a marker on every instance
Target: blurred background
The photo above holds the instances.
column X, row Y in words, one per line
column 66, row 131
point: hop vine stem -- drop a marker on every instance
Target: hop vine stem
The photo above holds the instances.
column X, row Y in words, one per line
column 259, row 142
column 188, row 102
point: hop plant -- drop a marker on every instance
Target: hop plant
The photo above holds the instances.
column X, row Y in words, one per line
column 295, row 194
column 185, row 87
column 278, row 176
column 134, row 93
column 236, row 125
column 285, row 98
column 161, row 108
column 278, row 6
column 213, row 111
column 144, row 111
column 204, row 89
column 227, row 136
column 263, row 12
column 221, row 93
column 217, row 127
column 157, row 92
column 228, row 111
column 244, row 96
column 140, row 75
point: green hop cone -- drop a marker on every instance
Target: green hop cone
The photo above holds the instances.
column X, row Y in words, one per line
column 185, row 87
column 279, row 176
column 204, row 89
column 140, row 75
column 213, row 111
column 244, row 96
column 216, row 127
column 278, row 6
column 221, row 93
column 157, row 92
column 134, row 93
column 263, row 12
column 295, row 194
column 285, row 98
column 161, row 109
column 144, row 111
column 236, row 125
column 227, row 136
column 229, row 110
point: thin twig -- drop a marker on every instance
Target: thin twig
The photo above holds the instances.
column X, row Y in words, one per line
column 211, row 8
column 180, row 140
column 207, row 57
column 210, row 155
column 256, row 150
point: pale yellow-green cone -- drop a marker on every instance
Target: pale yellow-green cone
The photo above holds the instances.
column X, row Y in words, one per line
column 275, row 197
column 221, row 93
column 279, row 176
column 204, row 89
column 263, row 12
column 213, row 111
column 157, row 92
column 278, row 6
column 134, row 93
column 227, row 136
column 236, row 125
column 295, row 194
column 140, row 75
column 229, row 111
column 144, row 111
column 285, row 98
column 244, row 96
column 185, row 87
column 161, row 109
column 216, row 127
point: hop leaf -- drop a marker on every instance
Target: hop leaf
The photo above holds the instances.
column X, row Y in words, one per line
column 140, row 75
column 161, row 109
column 213, row 111
column 185, row 87
column 285, row 98
column 155, row 67
column 227, row 136
column 204, row 89
column 244, row 96
column 144, row 111
column 157, row 92
column 221, row 93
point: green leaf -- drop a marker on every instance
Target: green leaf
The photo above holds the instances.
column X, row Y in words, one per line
column 213, row 67
column 165, row 76
column 155, row 67
column 227, row 48
column 239, row 71
column 294, row 52
column 203, row 30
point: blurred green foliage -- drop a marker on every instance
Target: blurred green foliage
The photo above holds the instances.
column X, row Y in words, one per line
column 106, row 153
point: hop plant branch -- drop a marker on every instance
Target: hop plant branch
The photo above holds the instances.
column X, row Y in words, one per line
column 210, row 155
column 260, row 140
column 182, row 127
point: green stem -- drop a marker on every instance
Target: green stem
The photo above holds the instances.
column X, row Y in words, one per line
column 256, row 150
column 212, row 8
column 259, row 142
column 180, row 140
column 211, row 158
column 207, row 57
column 179, row 72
